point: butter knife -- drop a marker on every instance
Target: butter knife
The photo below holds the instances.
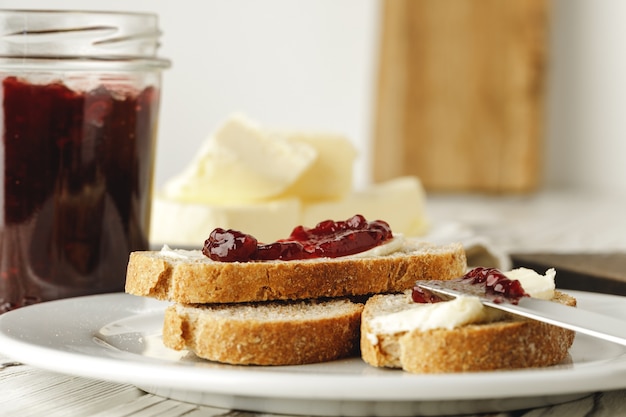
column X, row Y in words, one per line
column 573, row 318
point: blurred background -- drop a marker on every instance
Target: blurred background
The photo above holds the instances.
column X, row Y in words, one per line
column 470, row 95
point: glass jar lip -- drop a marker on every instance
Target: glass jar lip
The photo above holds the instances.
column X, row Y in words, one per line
column 77, row 11
column 37, row 37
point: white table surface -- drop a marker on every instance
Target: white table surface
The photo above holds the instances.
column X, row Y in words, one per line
column 27, row 391
column 562, row 221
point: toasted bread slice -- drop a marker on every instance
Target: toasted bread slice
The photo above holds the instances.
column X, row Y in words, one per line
column 192, row 278
column 271, row 333
column 509, row 343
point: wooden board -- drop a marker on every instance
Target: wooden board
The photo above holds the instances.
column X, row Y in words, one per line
column 460, row 94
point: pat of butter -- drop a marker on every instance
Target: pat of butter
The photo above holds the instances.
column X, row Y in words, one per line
column 461, row 310
column 535, row 285
column 241, row 163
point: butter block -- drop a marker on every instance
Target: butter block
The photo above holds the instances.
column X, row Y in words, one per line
column 266, row 182
column 330, row 176
column 189, row 224
column 400, row 202
column 241, row 163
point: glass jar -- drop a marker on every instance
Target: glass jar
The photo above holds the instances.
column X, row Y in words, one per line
column 80, row 100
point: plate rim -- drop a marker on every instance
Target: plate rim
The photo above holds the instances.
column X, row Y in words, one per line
column 607, row 374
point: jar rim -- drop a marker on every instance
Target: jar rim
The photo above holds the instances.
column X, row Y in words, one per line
column 77, row 35
column 78, row 11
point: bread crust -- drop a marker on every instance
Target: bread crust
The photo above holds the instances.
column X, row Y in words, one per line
column 223, row 333
column 513, row 343
column 202, row 280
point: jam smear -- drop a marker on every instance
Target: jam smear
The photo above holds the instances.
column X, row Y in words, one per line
column 492, row 280
column 330, row 239
column 424, row 296
column 77, row 176
column 496, row 282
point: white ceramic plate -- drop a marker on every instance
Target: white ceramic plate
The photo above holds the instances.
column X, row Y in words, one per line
column 116, row 337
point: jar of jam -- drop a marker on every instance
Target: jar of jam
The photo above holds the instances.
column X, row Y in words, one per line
column 80, row 100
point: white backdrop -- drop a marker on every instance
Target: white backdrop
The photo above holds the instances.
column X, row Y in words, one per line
column 586, row 134
column 310, row 64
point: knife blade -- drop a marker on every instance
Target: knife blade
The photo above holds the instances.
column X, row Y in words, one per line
column 583, row 321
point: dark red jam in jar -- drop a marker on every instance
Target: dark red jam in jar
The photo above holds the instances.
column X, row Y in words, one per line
column 330, row 239
column 77, row 156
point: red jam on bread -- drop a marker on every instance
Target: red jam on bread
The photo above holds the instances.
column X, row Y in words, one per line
column 493, row 280
column 328, row 239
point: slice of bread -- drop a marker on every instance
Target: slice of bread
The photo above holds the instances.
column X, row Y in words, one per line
column 509, row 343
column 271, row 333
column 191, row 278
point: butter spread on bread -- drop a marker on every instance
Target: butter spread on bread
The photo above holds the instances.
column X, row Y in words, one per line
column 462, row 310
column 461, row 334
column 198, row 279
column 395, row 244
